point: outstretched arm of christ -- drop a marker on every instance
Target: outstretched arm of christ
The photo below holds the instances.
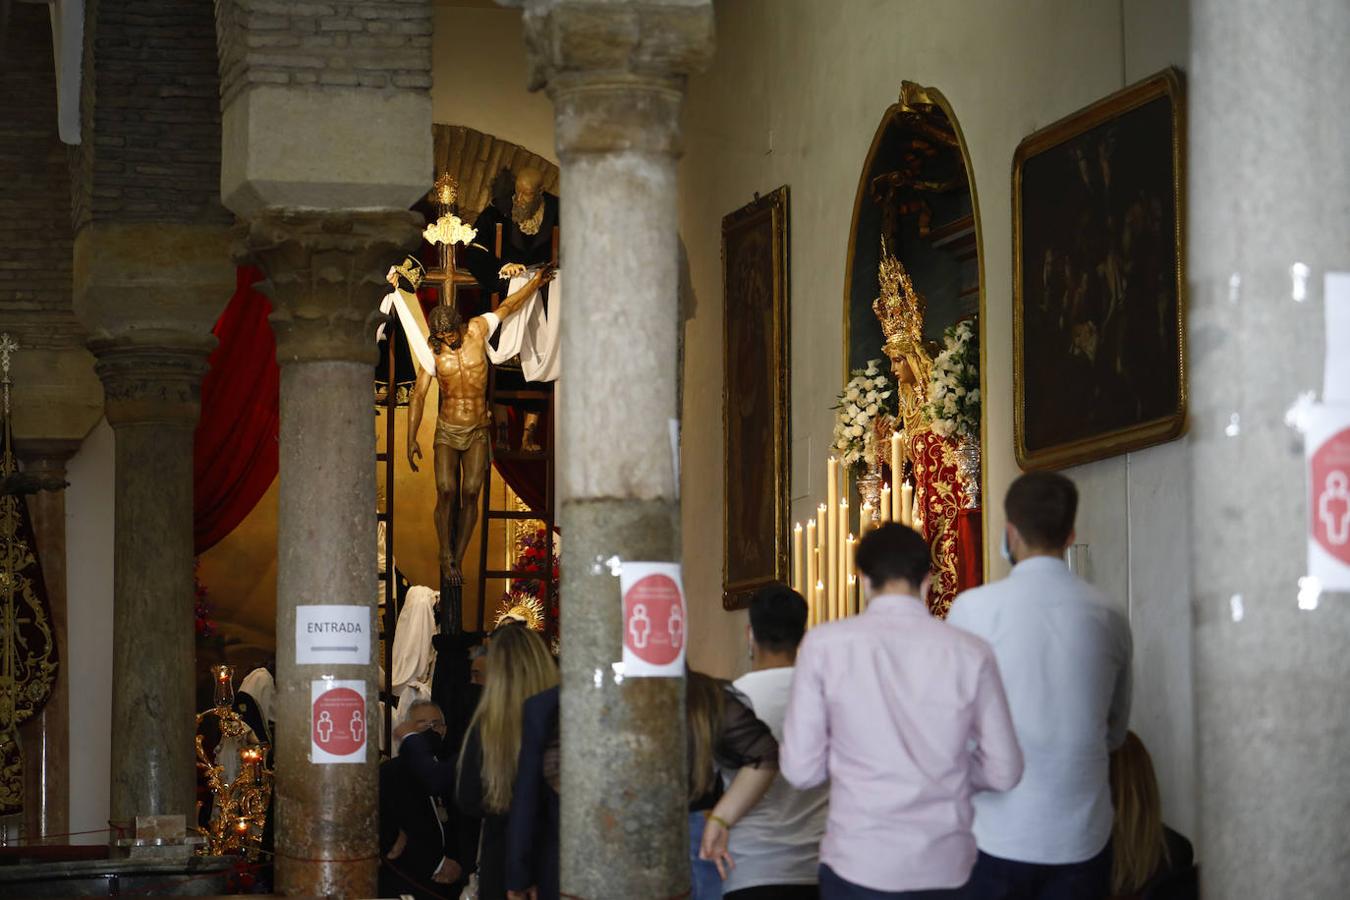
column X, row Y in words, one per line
column 513, row 303
column 415, row 407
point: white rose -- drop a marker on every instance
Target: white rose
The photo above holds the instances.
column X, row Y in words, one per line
column 975, row 395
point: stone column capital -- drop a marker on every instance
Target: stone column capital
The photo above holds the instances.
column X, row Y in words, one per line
column 152, row 377
column 616, row 71
column 325, row 274
column 46, row 456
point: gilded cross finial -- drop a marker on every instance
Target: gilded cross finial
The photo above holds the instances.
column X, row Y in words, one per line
column 7, row 346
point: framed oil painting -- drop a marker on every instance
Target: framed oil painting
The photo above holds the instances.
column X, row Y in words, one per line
column 755, row 397
column 1099, row 356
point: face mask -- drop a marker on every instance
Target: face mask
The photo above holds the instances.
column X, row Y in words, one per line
column 1006, row 551
column 434, row 740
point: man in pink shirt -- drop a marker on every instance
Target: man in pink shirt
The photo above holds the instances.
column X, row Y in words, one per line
column 906, row 718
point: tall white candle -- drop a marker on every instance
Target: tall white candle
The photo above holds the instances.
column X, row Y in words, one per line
column 886, row 503
column 897, row 467
column 812, row 551
column 907, row 504
column 831, row 578
column 797, row 582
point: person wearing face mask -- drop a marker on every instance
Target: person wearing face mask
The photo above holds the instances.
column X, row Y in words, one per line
column 1064, row 654
column 418, row 839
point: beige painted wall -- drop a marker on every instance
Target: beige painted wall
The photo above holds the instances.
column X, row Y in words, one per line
column 478, row 72
column 794, row 97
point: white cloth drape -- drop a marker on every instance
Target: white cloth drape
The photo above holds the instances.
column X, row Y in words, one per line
column 414, row 326
column 533, row 334
column 414, row 657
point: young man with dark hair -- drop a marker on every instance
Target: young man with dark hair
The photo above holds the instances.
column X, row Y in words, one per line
column 1064, row 654
column 906, row 717
column 775, row 845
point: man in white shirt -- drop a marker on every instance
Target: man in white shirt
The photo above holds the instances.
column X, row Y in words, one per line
column 1064, row 655
column 776, row 845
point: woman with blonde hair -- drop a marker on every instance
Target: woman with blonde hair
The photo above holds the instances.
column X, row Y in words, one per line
column 519, row 666
column 1145, row 852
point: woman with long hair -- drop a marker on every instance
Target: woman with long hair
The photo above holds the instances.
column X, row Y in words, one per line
column 1144, row 851
column 519, row 666
column 723, row 735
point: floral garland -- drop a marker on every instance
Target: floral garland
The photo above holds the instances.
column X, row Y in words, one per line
column 535, row 557
column 867, row 396
column 954, row 389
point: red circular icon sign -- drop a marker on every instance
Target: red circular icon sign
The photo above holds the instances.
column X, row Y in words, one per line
column 653, row 620
column 1329, row 478
column 338, row 722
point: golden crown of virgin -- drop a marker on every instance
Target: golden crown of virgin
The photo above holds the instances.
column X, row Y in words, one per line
column 411, row 270
column 900, row 309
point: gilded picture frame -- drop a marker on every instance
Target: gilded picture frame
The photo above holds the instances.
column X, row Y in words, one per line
column 755, row 397
column 1099, row 302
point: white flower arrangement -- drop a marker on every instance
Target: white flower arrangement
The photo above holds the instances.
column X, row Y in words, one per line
column 954, row 388
column 866, row 396
column 448, row 229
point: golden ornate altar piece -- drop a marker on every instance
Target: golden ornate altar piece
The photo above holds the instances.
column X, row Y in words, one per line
column 239, row 801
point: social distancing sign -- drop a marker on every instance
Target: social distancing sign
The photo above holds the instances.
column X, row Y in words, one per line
column 654, row 620
column 337, row 721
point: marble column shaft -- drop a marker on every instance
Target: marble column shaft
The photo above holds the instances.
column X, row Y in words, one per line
column 624, row 772
column 325, row 276
column 151, row 390
column 46, row 737
column 1270, row 215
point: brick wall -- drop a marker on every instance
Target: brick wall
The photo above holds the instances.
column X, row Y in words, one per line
column 151, row 149
column 372, row 44
column 35, row 232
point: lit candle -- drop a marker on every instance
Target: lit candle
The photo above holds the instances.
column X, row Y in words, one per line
column 797, row 582
column 822, row 544
column 907, row 504
column 886, row 503
column 832, row 527
column 817, row 614
column 864, row 518
column 897, row 467
column 811, row 554
column 853, row 595
column 819, row 599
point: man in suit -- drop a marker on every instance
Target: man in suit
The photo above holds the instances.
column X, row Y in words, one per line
column 418, row 842
column 532, row 830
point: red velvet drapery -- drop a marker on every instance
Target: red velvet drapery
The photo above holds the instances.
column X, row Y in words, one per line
column 235, row 455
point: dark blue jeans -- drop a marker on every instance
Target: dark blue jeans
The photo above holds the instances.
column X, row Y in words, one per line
column 995, row 878
column 832, row 887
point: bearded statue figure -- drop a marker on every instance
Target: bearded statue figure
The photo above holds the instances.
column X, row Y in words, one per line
column 929, row 457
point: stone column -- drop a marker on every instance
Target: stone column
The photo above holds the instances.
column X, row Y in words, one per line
column 1269, row 217
column 325, row 274
column 616, row 74
column 148, row 293
column 46, row 738
column 151, row 390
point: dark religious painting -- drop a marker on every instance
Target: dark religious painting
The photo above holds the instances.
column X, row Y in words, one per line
column 755, row 396
column 1098, row 286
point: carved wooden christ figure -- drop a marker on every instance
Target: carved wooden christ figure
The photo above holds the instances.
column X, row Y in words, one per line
column 461, row 449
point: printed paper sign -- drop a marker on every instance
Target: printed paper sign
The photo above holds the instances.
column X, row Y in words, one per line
column 1327, row 446
column 332, row 635
column 654, row 619
column 337, row 721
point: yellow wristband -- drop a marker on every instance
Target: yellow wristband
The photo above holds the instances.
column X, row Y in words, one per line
column 720, row 821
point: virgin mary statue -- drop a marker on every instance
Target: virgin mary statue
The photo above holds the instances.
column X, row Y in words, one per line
column 930, row 458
